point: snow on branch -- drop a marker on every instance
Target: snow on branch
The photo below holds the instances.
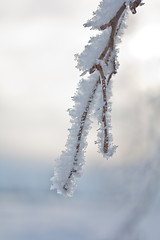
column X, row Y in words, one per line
column 99, row 59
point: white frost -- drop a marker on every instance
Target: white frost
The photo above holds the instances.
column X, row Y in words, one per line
column 90, row 92
column 107, row 9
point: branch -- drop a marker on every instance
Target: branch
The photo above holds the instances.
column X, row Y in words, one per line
column 110, row 45
column 104, row 88
column 105, row 66
column 79, row 135
column 134, row 5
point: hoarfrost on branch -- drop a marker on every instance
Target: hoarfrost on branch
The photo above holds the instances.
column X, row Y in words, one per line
column 98, row 62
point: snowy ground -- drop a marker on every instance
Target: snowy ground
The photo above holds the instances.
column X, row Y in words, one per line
column 119, row 203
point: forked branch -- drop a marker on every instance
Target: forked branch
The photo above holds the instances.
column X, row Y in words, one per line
column 105, row 66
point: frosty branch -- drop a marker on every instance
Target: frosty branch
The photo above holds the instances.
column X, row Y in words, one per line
column 99, row 58
column 79, row 135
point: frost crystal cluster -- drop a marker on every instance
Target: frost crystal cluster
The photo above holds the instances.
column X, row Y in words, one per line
column 98, row 63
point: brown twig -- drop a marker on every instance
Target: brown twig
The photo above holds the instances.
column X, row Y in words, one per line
column 79, row 135
column 104, row 88
column 105, row 56
column 107, row 51
column 134, row 5
column 113, row 23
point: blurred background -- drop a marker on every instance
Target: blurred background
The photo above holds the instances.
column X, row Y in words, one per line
column 116, row 199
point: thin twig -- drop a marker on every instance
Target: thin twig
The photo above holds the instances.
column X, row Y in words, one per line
column 108, row 50
column 104, row 120
column 134, row 5
column 106, row 57
column 79, row 135
column 110, row 44
column 113, row 23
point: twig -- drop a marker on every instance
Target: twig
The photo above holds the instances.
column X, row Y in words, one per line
column 134, row 5
column 113, row 23
column 107, row 57
column 79, row 135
